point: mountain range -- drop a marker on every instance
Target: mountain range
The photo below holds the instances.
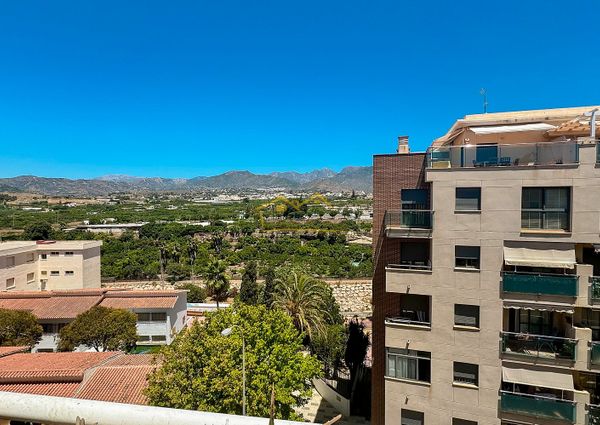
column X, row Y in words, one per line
column 359, row 179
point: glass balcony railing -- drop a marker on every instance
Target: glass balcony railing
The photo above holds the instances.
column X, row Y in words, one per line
column 420, row 319
column 410, row 219
column 595, row 353
column 595, row 288
column 537, row 283
column 538, row 406
column 539, row 346
column 522, row 154
column 593, row 414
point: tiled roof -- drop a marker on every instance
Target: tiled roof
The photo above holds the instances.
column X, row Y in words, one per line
column 110, row 376
column 47, row 307
column 139, row 302
column 63, row 389
column 578, row 126
column 119, row 384
column 45, row 367
column 7, row 351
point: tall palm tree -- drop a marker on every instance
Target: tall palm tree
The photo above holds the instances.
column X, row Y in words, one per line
column 217, row 281
column 304, row 299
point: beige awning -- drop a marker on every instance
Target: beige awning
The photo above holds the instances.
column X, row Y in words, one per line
column 537, row 378
column 540, row 254
column 524, row 305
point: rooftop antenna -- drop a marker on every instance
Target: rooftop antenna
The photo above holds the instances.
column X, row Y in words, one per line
column 483, row 92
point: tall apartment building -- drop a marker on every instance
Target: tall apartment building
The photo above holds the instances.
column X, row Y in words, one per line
column 48, row 265
column 486, row 247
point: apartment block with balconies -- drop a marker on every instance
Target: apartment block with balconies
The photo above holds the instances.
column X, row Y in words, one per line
column 49, row 265
column 486, row 300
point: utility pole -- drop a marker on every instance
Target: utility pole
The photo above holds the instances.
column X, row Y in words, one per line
column 483, row 92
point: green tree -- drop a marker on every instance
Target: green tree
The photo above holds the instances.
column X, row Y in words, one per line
column 269, row 288
column 37, row 231
column 356, row 347
column 201, row 370
column 196, row 294
column 249, row 286
column 329, row 346
column 304, row 299
column 101, row 328
column 217, row 281
column 19, row 328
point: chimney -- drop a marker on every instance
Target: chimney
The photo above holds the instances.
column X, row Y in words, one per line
column 403, row 145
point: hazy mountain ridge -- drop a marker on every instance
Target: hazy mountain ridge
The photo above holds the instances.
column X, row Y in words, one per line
column 350, row 178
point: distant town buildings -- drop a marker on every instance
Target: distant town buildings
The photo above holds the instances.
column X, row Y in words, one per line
column 49, row 265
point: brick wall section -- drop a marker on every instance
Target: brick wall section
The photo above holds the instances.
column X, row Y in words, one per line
column 391, row 173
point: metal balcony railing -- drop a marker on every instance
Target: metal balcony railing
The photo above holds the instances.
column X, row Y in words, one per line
column 538, row 283
column 593, row 415
column 426, row 266
column 522, row 154
column 405, row 320
column 595, row 353
column 539, row 346
column 538, row 406
column 595, row 288
column 410, row 219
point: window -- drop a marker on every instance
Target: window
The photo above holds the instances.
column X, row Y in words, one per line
column 30, row 277
column 468, row 199
column 10, row 261
column 44, row 256
column 152, row 317
column 10, row 283
column 54, row 253
column 143, row 317
column 159, row 338
column 457, row 421
column 411, row 417
column 54, row 273
column 545, row 208
column 535, row 322
column 466, row 373
column 408, row 364
column 30, row 257
column 44, row 272
column 466, row 315
column 69, row 273
column 414, row 199
column 68, row 253
column 467, row 257
column 159, row 317
column 143, row 338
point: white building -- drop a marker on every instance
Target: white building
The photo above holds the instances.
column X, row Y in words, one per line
column 48, row 265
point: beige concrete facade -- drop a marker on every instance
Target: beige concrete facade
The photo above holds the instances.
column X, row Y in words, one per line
column 49, row 265
column 439, row 398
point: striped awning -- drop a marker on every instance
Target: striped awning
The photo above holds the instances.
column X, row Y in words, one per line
column 558, row 307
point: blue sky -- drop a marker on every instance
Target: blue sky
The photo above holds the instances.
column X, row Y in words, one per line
column 187, row 88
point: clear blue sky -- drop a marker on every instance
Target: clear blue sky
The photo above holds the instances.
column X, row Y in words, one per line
column 187, row 88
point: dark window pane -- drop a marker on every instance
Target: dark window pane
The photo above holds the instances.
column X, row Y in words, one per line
column 414, row 199
column 457, row 421
column 467, row 256
column 411, row 417
column 466, row 373
column 466, row 315
column 468, row 198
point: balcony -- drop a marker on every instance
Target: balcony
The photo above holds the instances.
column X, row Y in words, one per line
column 402, row 320
column 595, row 288
column 515, row 155
column 539, row 346
column 538, row 283
column 409, row 223
column 595, row 353
column 538, row 406
column 593, row 414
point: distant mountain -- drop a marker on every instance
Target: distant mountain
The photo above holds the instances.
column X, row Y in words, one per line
column 323, row 180
column 304, row 178
column 350, row 178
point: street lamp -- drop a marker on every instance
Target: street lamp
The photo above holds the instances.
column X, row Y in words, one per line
column 227, row 332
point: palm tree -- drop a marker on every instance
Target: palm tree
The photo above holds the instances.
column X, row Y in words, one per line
column 304, row 299
column 217, row 281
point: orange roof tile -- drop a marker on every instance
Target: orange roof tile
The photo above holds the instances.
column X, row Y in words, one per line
column 45, row 367
column 64, row 389
column 7, row 351
column 46, row 307
column 119, row 384
column 139, row 302
column 132, row 360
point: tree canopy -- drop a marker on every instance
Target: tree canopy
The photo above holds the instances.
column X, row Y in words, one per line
column 201, row 369
column 249, row 293
column 101, row 328
column 19, row 328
